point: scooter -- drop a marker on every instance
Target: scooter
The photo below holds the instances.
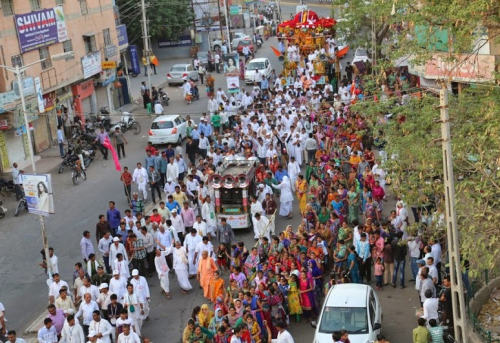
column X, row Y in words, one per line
column 163, row 96
column 127, row 122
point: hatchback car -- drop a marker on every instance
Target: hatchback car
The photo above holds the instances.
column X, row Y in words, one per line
column 180, row 72
column 257, row 68
column 166, row 129
column 352, row 307
column 361, row 55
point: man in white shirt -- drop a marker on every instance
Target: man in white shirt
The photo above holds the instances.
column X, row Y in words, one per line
column 172, row 170
column 433, row 273
column 430, row 306
column 162, row 269
column 87, row 308
column 436, row 254
column 122, row 266
column 178, row 224
column 128, row 336
column 47, row 333
column 88, row 288
column 116, row 248
column 54, row 288
column 72, row 331
column 140, row 177
column 208, row 215
column 117, row 285
column 261, row 227
column 101, row 327
column 283, row 335
column 103, row 246
column 158, row 108
column 190, row 244
column 141, row 289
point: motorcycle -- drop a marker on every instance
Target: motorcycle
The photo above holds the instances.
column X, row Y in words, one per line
column 127, row 122
column 7, row 186
column 88, row 154
column 78, row 174
column 3, row 210
column 21, row 205
column 163, row 96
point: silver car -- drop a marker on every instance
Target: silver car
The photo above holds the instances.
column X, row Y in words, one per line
column 180, row 72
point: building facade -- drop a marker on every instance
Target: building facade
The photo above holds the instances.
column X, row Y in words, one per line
column 71, row 49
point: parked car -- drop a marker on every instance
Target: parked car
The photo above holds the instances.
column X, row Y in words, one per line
column 170, row 128
column 352, row 307
column 256, row 68
column 180, row 72
column 237, row 36
column 203, row 58
column 361, row 55
column 245, row 42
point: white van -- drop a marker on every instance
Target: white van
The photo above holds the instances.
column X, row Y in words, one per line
column 352, row 307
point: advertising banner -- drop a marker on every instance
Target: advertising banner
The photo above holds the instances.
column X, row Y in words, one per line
column 231, row 62
column 40, row 28
column 91, row 64
column 121, row 32
column 38, row 193
column 134, row 59
column 233, row 83
column 39, row 95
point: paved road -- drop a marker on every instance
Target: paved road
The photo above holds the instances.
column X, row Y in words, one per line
column 22, row 283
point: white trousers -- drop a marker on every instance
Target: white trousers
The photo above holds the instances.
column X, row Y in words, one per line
column 142, row 188
column 165, row 283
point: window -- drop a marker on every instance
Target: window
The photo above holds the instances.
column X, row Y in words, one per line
column 35, row 5
column 8, row 7
column 17, row 60
column 59, row 2
column 107, row 37
column 67, row 46
column 89, row 42
column 352, row 319
column 45, row 57
column 83, row 7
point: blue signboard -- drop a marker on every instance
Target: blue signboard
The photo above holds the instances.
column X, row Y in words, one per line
column 121, row 31
column 184, row 40
column 134, row 59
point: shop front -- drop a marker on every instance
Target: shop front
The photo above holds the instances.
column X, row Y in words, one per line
column 84, row 99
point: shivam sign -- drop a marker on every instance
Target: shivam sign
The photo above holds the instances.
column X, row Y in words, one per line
column 40, row 28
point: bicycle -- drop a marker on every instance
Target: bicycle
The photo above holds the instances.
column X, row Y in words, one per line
column 22, row 204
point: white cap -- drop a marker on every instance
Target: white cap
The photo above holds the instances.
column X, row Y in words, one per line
column 261, row 185
column 116, row 239
column 116, row 272
column 103, row 285
column 174, row 210
column 135, row 272
column 169, row 179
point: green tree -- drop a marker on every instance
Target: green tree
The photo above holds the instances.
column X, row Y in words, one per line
column 167, row 19
column 418, row 29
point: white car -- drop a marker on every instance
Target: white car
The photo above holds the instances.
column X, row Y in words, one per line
column 352, row 307
column 179, row 73
column 237, row 36
column 361, row 55
column 257, row 68
column 165, row 129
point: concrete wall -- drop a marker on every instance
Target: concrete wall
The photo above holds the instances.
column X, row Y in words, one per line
column 477, row 302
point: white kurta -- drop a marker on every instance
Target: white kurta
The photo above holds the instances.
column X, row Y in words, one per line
column 261, row 227
column 162, row 270
column 140, row 177
column 293, row 172
column 256, row 207
column 114, row 250
column 103, row 327
column 190, row 244
column 208, row 215
column 135, row 316
column 118, row 286
column 72, row 334
column 286, row 196
column 180, row 264
column 141, row 289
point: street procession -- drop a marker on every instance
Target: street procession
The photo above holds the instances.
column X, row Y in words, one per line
column 229, row 171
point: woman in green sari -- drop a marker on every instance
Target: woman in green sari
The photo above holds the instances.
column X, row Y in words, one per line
column 353, row 201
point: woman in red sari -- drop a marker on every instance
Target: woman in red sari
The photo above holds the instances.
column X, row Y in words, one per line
column 306, row 289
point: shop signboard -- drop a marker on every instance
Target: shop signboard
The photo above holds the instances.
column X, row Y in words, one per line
column 91, row 64
column 49, row 101
column 134, row 59
column 121, row 32
column 466, row 68
column 108, row 65
column 40, row 28
column 38, row 193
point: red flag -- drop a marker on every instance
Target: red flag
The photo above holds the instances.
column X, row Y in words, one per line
column 342, row 52
column 276, row 51
column 107, row 144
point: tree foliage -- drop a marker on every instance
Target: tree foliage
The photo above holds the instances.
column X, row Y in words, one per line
column 419, row 29
column 167, row 19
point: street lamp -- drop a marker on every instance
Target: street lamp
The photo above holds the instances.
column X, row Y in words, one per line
column 17, row 71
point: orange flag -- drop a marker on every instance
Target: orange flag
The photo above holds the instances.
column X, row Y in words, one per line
column 342, row 52
column 276, row 51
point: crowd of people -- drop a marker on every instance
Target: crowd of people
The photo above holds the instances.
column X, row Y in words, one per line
column 309, row 146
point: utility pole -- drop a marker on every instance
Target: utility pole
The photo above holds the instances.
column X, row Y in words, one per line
column 220, row 21
column 145, row 37
column 227, row 27
column 457, row 294
column 194, row 23
column 18, row 71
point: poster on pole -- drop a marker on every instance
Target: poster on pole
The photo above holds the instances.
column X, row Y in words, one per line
column 38, row 193
column 233, row 83
column 231, row 62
